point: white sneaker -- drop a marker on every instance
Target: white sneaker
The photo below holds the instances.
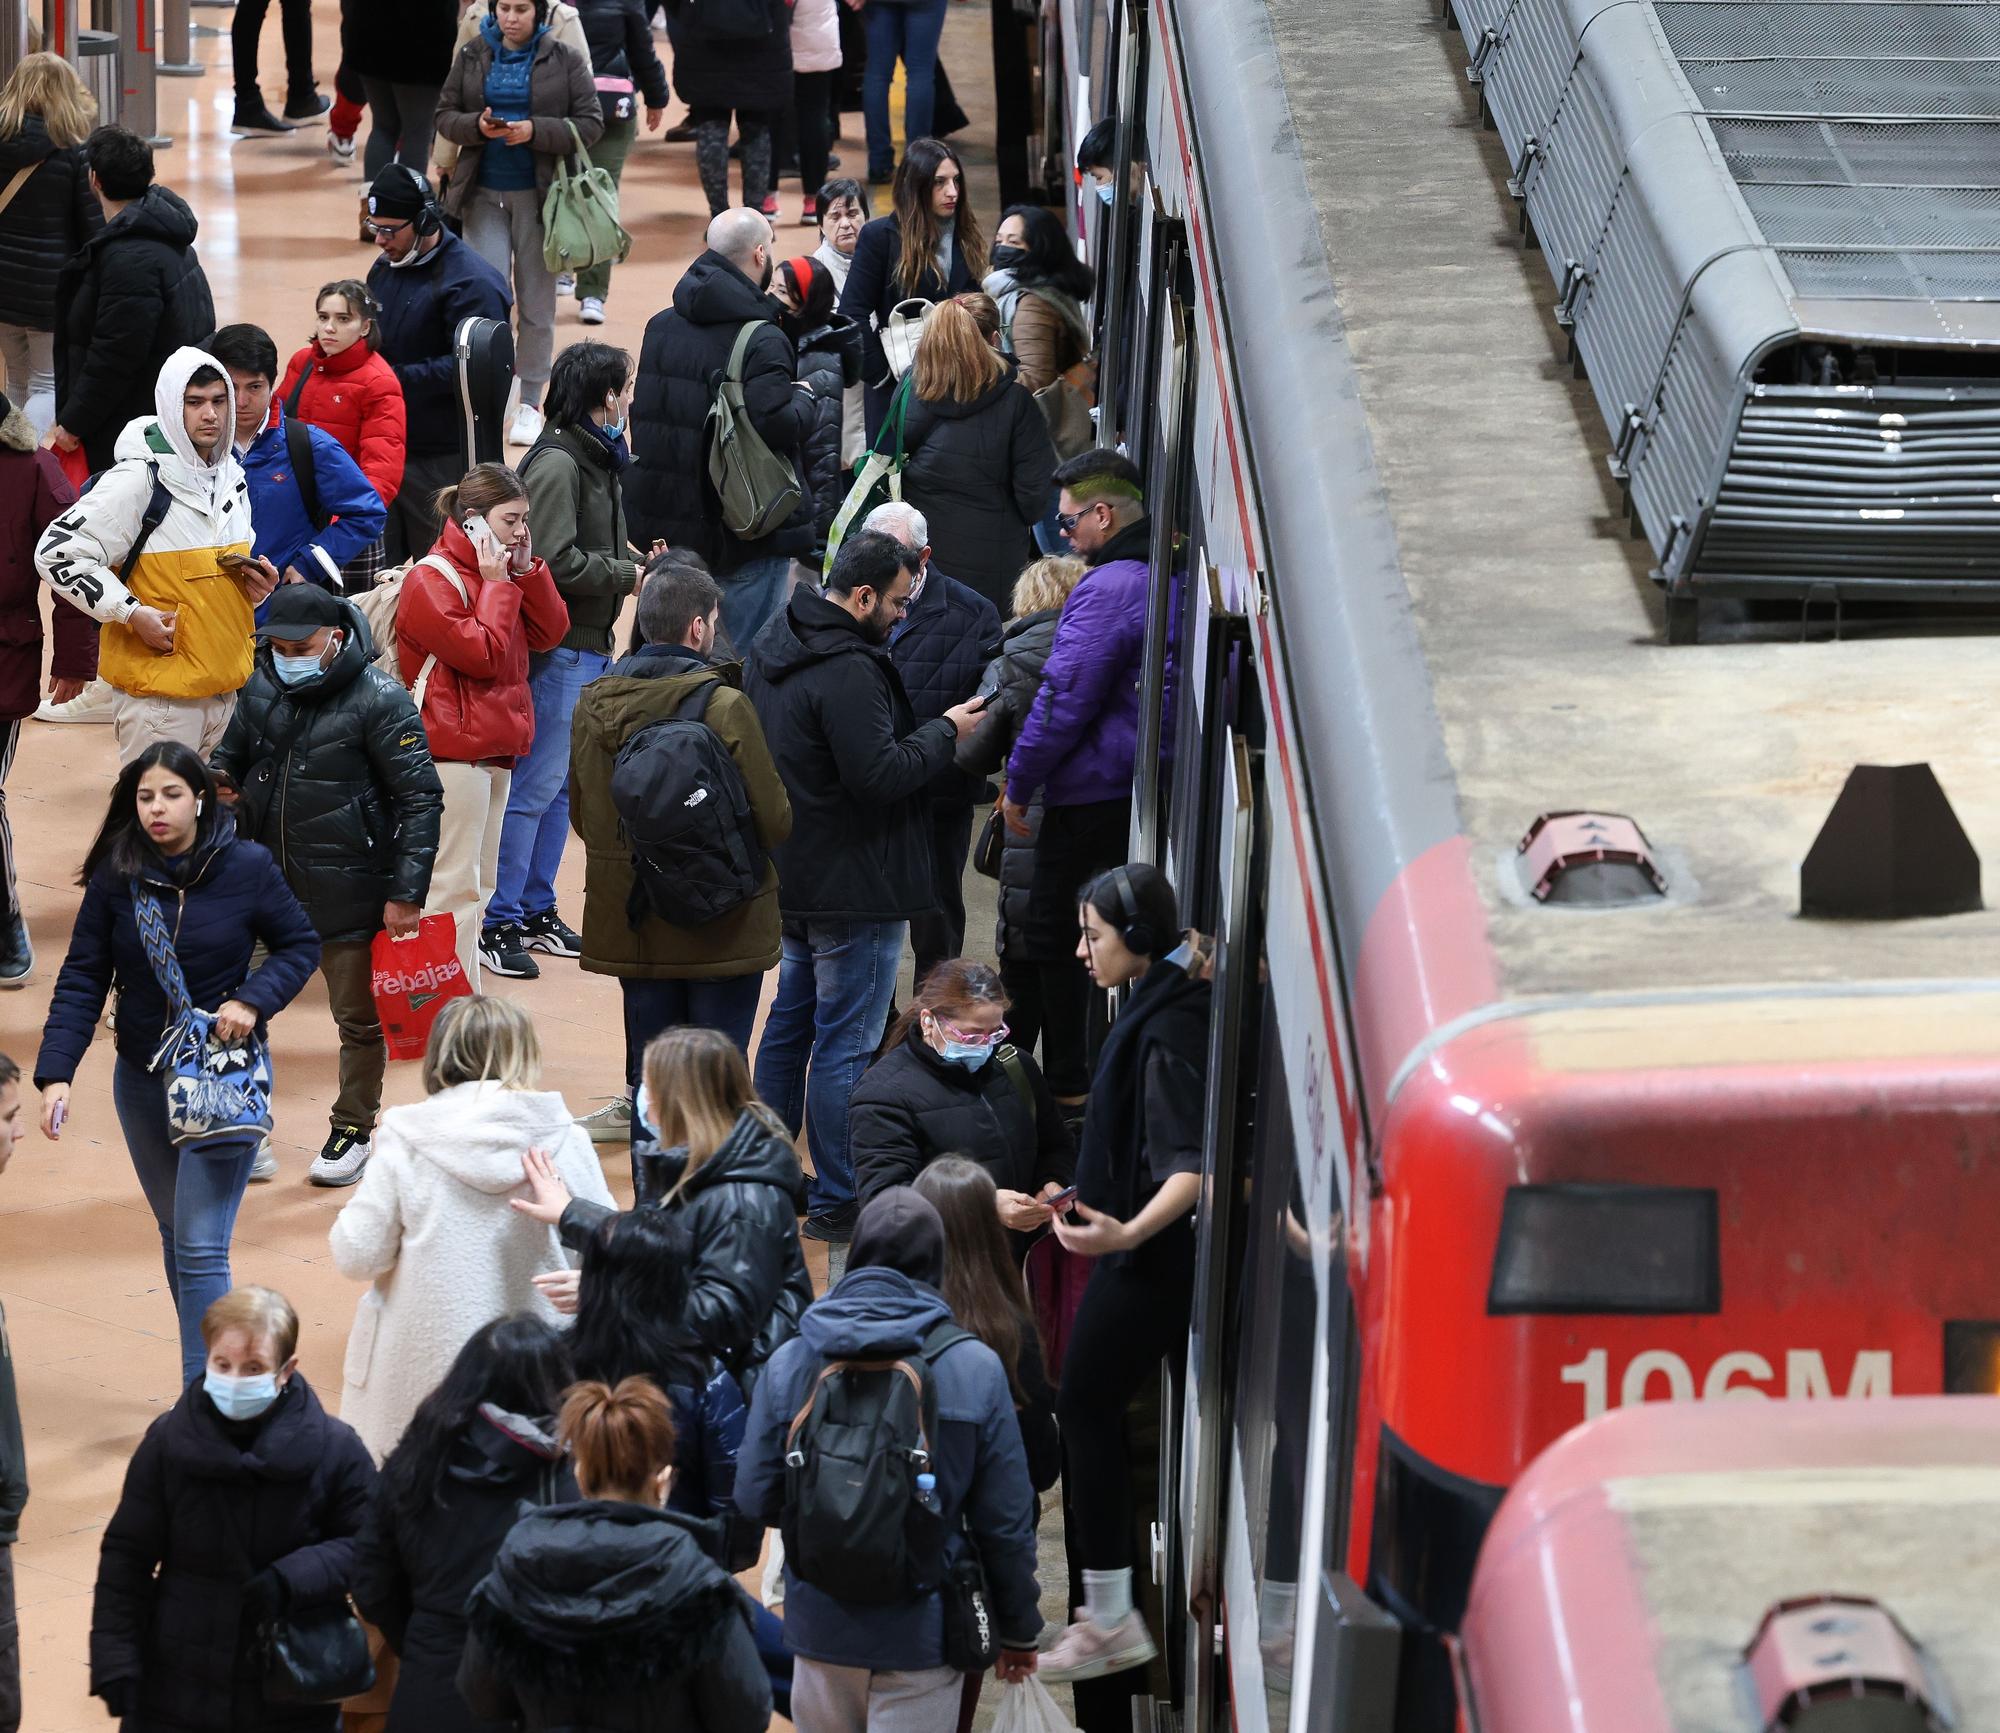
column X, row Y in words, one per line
column 342, row 149
column 526, row 427
column 1088, row 1651
column 341, row 1161
column 265, row 1167
column 565, row 282
column 611, row 1123
column 95, row 703
column 591, row 311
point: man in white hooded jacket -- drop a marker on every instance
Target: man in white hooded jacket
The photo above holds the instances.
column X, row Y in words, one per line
column 158, row 550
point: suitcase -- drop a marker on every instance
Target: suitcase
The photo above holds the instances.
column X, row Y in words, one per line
column 485, row 350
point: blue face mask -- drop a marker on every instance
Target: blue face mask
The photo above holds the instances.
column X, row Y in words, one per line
column 1104, row 192
column 965, row 1053
column 295, row 670
column 241, row 1398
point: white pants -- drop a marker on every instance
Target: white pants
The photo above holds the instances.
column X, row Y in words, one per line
column 830, row 1699
column 468, row 856
column 197, row 723
column 30, row 373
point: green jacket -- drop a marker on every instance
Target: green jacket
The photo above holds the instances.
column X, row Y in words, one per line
column 644, row 687
column 577, row 515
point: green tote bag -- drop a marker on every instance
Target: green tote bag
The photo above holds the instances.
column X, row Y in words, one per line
column 580, row 216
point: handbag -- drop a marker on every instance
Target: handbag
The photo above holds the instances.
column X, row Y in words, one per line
column 903, row 332
column 218, row 1093
column 971, row 1643
column 580, row 225
column 318, row 1655
column 992, row 844
column 878, row 477
column 1066, row 403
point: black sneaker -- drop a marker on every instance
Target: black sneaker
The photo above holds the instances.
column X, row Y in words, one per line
column 835, row 1226
column 308, row 107
column 17, row 954
column 257, row 119
column 548, row 932
column 503, row 950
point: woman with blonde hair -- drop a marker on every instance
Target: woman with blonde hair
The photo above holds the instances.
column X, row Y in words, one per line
column 45, row 115
column 979, row 460
column 1034, row 957
column 729, row 1171
column 429, row 1228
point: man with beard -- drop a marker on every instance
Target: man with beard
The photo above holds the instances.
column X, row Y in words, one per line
column 857, row 766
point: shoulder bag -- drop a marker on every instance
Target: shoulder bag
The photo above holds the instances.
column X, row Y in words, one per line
column 902, row 333
column 878, row 477
column 580, row 226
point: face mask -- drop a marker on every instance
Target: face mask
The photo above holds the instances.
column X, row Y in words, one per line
column 616, row 429
column 294, row 670
column 642, row 1110
column 241, row 1398
column 965, row 1053
column 1104, row 192
column 1006, row 258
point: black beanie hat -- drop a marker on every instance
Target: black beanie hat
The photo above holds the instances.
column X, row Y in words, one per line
column 900, row 1229
column 398, row 194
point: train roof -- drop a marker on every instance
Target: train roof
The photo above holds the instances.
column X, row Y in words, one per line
column 1471, row 633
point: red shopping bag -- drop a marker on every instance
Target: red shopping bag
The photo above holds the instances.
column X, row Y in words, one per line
column 412, row 979
column 75, row 467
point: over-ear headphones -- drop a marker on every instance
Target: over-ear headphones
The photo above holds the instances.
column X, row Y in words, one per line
column 1133, row 927
column 430, row 219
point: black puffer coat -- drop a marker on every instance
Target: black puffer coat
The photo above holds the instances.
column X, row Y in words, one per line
column 412, row 1578
column 608, row 1618
column 350, row 807
column 133, row 295
column 741, row 1211
column 949, row 635
column 49, row 220
column 667, row 492
column 982, row 473
column 914, row 1105
column 1011, row 681
column 621, row 46
column 732, row 72
column 856, row 763
column 208, row 1504
column 829, row 361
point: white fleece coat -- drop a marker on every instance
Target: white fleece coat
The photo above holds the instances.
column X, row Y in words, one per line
column 430, row 1227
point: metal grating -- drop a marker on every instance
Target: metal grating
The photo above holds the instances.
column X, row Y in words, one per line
column 1846, row 87
column 1837, row 216
column 1933, row 153
column 1730, row 30
column 1893, row 276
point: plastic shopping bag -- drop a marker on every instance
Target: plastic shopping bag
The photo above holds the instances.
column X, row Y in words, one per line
column 1027, row 1707
column 412, row 979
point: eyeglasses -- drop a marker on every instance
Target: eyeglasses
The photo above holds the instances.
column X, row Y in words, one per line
column 383, row 230
column 972, row 1037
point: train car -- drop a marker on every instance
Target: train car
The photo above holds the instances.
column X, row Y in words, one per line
column 1485, row 1163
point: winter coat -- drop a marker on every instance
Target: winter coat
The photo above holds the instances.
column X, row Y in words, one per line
column 1041, row 326
column 600, row 1617
column 356, row 397
column 976, row 1454
column 856, row 762
column 686, row 348
column 33, row 493
column 708, row 1436
column 872, row 289
column 983, row 474
column 578, row 512
column 337, row 782
column 405, row 41
column 285, row 535
column 830, row 362
column 943, row 645
column 228, row 896
column 749, row 1283
column 914, row 1105
column 422, row 306
column 208, row 514
column 816, row 37
column 412, row 1577
column 48, row 221
column 128, row 298
column 477, row 704
column 1082, row 731
column 560, row 90
column 209, row 1504
column 644, row 687
column 431, row 1227
column 733, row 72
column 621, row 46
column 1011, row 682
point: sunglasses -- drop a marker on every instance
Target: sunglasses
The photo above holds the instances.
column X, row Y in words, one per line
column 1068, row 520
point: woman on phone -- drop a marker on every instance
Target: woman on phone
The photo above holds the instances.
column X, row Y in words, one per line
column 470, row 612
column 168, row 851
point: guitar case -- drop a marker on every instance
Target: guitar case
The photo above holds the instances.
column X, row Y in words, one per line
column 485, row 351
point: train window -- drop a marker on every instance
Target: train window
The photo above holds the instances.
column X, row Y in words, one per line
column 1607, row 1248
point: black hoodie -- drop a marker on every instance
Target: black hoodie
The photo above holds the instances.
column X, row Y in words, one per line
column 50, row 218
column 668, row 496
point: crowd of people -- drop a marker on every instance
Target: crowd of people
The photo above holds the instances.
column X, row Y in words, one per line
column 879, row 588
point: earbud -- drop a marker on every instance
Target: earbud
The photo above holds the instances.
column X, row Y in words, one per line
column 197, row 806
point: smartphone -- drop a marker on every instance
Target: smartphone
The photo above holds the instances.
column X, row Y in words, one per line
column 235, row 562
column 56, row 1118
column 485, row 543
column 1061, row 1201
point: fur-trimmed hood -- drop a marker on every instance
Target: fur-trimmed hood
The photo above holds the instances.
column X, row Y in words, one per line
column 15, row 433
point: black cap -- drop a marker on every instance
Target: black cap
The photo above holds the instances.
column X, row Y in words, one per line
column 398, row 194
column 900, row 1229
column 299, row 610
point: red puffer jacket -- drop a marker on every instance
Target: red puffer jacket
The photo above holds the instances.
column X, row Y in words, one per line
column 477, row 704
column 356, row 397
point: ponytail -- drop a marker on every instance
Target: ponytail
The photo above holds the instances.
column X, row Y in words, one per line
column 619, row 1439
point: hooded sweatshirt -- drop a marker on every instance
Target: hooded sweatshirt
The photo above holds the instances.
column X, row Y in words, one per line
column 208, row 514
column 430, row 1227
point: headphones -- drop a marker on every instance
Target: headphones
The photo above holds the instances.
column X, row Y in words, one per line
column 1134, row 928
column 428, row 220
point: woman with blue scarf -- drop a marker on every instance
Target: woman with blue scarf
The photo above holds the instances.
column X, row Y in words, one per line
column 576, row 504
column 516, row 103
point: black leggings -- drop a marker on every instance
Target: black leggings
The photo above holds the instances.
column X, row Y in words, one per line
column 1131, row 1317
column 810, row 127
column 711, row 156
column 1045, row 1008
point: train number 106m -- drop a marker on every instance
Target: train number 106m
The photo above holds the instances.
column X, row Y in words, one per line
column 1659, row 1374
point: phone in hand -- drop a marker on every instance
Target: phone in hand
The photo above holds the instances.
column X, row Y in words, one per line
column 57, row 1115
column 1060, row 1202
column 485, row 543
column 234, row 563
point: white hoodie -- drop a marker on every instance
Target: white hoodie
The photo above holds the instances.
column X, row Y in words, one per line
column 430, row 1227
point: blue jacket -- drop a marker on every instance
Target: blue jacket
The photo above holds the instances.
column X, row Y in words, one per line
column 284, row 534
column 233, row 896
column 422, row 305
column 981, row 1468
column 941, row 649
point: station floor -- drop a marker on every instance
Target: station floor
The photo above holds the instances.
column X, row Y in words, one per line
column 91, row 1328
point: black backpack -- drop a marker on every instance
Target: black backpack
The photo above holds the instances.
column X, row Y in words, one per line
column 686, row 816
column 853, row 1524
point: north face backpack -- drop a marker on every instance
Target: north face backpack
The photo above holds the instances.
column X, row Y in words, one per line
column 757, row 486
column 686, row 815
column 856, row 1524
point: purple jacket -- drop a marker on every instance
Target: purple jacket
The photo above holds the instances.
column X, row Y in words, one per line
column 1082, row 731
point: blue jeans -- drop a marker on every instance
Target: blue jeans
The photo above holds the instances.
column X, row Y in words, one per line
column 728, row 1004
column 751, row 595
column 194, row 1198
column 835, row 985
column 907, row 32
column 537, row 822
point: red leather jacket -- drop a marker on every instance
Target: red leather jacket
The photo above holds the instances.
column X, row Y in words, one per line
column 356, row 397
column 477, row 703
